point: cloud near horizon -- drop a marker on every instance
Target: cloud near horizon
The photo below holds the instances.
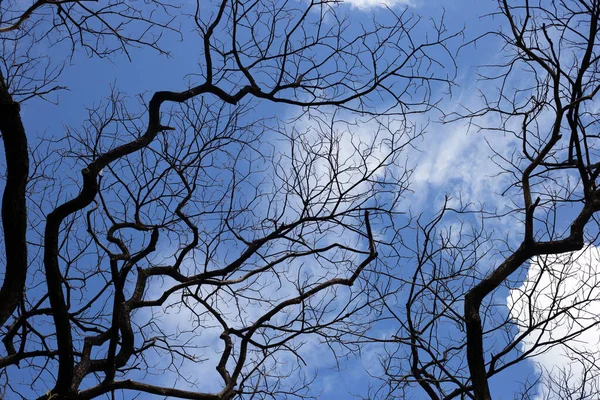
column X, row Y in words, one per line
column 368, row 4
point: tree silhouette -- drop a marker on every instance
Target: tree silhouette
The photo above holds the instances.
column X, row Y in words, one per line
column 455, row 333
column 197, row 201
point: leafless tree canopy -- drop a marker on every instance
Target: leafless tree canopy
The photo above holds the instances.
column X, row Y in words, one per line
column 193, row 242
column 198, row 201
column 456, row 336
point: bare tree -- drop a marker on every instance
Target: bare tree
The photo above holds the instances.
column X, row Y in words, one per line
column 455, row 334
column 199, row 202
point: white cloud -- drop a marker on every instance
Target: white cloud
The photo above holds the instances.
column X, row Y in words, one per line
column 339, row 160
column 461, row 163
column 560, row 299
column 367, row 4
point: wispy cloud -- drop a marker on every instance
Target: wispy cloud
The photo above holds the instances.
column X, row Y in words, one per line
column 368, row 4
column 463, row 163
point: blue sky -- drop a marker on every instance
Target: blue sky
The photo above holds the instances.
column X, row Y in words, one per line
column 453, row 159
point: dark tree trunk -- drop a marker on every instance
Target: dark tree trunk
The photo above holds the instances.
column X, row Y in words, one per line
column 14, row 212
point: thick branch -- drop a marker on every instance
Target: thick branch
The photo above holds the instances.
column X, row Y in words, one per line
column 475, row 296
column 14, row 209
